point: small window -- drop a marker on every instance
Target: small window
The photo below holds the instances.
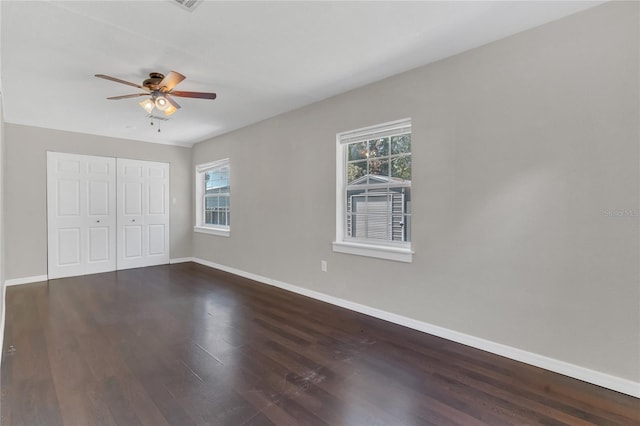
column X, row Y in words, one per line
column 213, row 195
column 374, row 191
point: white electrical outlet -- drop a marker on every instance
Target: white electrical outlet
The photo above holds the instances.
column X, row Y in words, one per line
column 323, row 265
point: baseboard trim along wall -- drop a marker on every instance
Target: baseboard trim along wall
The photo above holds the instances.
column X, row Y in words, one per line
column 181, row 260
column 26, row 280
column 4, row 313
column 581, row 373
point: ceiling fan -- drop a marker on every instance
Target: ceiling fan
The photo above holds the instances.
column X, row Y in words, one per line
column 159, row 88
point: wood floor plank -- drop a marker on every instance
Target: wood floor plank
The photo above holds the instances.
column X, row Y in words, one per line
column 493, row 388
column 77, row 408
column 165, row 401
column 183, row 345
column 32, row 402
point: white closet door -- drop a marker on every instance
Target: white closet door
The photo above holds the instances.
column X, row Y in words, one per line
column 81, row 200
column 143, row 213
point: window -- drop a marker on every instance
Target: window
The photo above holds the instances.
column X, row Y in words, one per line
column 213, row 214
column 374, row 192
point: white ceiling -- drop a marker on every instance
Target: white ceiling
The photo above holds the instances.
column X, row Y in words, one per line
column 262, row 58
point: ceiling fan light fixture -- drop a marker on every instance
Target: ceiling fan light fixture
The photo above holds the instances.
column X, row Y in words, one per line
column 159, row 89
column 148, row 105
column 170, row 110
column 162, row 103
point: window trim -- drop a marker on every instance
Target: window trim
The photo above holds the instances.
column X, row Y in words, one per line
column 200, row 226
column 388, row 250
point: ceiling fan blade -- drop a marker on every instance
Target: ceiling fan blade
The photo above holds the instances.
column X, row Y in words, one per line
column 173, row 103
column 170, row 81
column 200, row 95
column 128, row 96
column 117, row 80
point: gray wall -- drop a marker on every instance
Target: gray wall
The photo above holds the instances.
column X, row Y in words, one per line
column 2, row 247
column 2, row 228
column 26, row 178
column 525, row 190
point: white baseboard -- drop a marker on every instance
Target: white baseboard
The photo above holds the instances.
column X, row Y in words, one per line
column 4, row 313
column 181, row 260
column 26, row 280
column 608, row 381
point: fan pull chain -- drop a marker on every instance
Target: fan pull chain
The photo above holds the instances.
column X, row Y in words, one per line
column 151, row 124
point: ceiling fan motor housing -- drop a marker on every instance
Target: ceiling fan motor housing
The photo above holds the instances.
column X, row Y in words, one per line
column 153, row 81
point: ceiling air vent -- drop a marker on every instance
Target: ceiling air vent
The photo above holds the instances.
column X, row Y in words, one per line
column 187, row 4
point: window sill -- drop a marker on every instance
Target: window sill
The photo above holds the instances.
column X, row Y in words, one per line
column 222, row 232
column 398, row 254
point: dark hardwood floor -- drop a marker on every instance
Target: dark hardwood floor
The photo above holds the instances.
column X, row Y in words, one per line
column 187, row 345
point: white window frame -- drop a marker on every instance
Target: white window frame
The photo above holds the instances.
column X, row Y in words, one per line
column 389, row 250
column 200, row 226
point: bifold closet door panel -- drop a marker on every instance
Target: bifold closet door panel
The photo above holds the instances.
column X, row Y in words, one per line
column 143, row 213
column 81, row 214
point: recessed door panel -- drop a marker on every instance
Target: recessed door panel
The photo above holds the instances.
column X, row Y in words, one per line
column 68, row 197
column 156, row 240
column 98, row 198
column 132, row 241
column 156, row 198
column 98, row 168
column 156, row 172
column 132, row 170
column 132, row 198
column 99, row 244
column 68, row 246
column 68, row 165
